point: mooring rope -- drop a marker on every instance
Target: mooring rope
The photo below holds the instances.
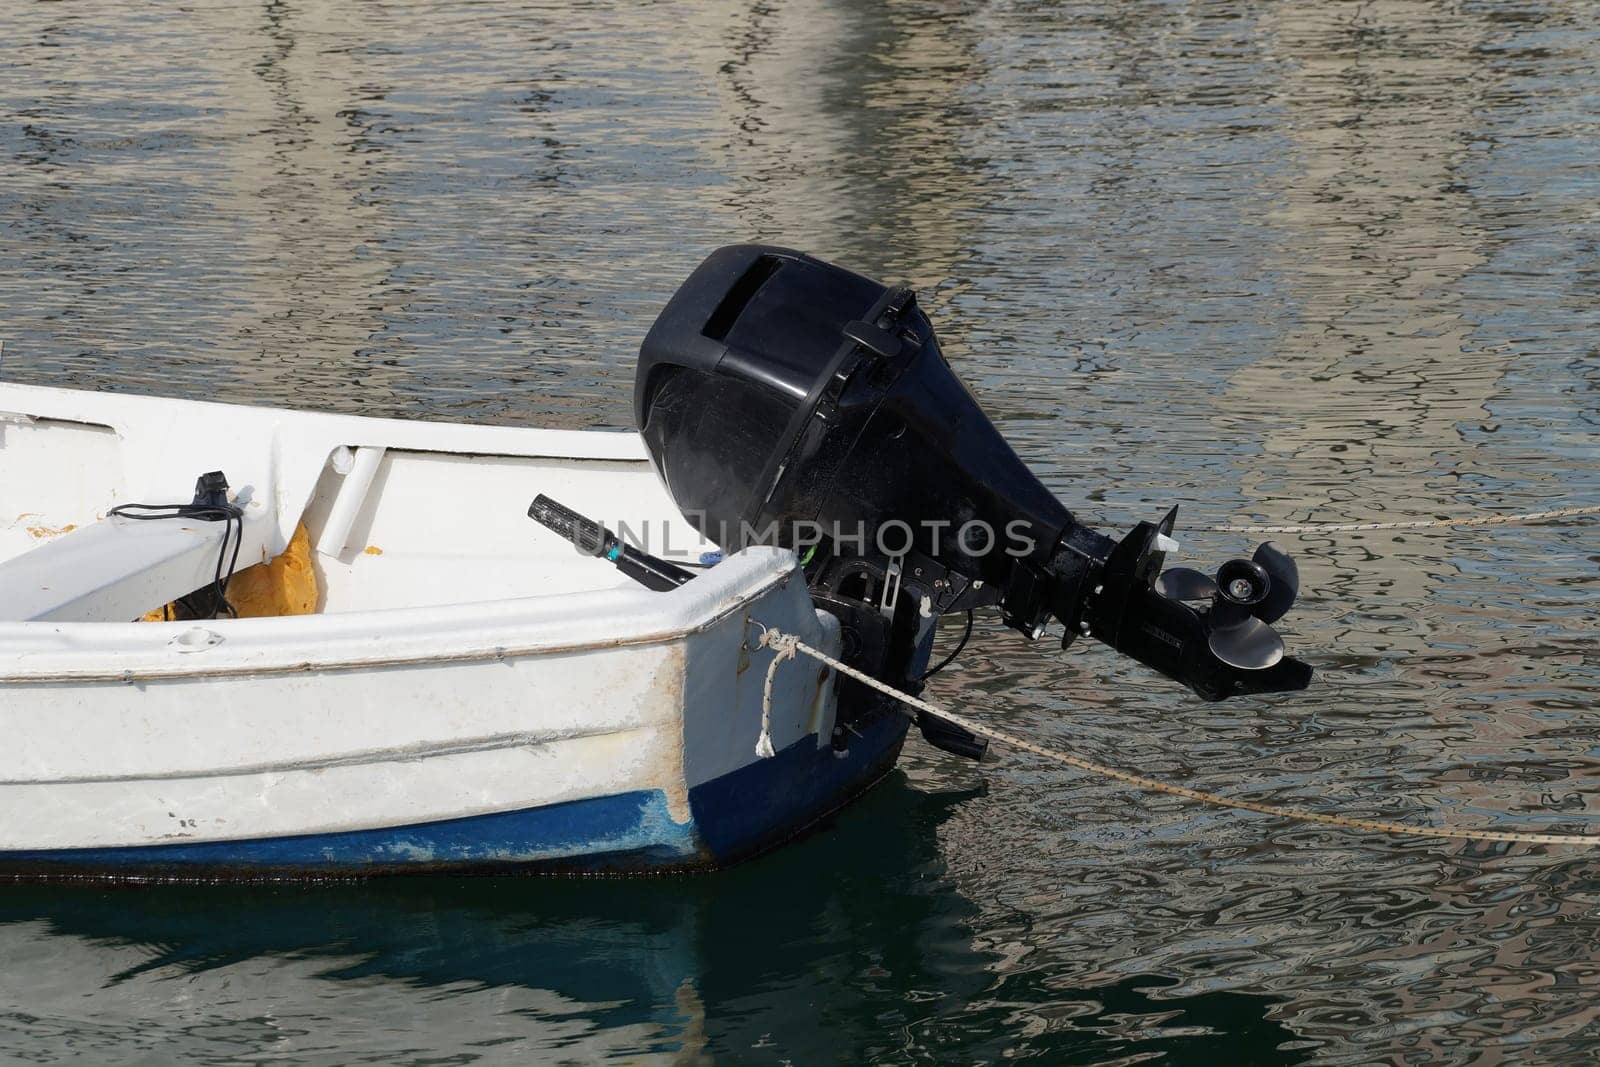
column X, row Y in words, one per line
column 1412, row 524
column 787, row 645
column 783, row 652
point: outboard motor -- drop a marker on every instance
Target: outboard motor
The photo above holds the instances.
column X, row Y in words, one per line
column 787, row 401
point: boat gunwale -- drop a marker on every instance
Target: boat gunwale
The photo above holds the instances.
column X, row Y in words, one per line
column 776, row 579
column 116, row 411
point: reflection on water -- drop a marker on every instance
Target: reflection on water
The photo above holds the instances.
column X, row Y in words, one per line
column 1316, row 261
column 850, row 948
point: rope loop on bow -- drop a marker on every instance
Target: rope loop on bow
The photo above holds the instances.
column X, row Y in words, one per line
column 784, row 647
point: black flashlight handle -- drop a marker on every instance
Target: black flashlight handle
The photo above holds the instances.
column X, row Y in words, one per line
column 593, row 539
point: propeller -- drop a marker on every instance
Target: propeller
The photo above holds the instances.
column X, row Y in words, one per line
column 1246, row 595
column 1185, row 583
column 1285, row 577
column 1249, row 644
column 1212, row 633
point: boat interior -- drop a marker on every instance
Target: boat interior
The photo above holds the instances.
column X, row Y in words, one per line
column 337, row 514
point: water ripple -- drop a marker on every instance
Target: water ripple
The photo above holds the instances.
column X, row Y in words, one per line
column 1277, row 263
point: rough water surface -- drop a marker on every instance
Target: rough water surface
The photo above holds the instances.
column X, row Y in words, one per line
column 1278, row 262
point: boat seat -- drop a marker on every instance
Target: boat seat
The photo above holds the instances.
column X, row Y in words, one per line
column 117, row 569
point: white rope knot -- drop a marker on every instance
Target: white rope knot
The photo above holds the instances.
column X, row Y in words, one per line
column 785, row 647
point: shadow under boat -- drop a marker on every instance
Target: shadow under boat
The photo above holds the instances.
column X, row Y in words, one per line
column 830, row 950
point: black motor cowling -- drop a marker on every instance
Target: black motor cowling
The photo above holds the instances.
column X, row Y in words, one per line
column 788, row 401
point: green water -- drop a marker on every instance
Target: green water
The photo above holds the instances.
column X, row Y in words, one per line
column 1289, row 262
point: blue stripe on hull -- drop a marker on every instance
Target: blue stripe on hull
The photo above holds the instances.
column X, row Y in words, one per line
column 628, row 824
column 752, row 808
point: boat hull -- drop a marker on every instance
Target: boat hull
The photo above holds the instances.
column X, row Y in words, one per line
column 735, row 817
column 513, row 739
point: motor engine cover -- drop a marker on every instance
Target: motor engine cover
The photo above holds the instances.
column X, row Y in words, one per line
column 779, row 394
column 788, row 401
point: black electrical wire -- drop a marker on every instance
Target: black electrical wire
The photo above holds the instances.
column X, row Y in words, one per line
column 966, row 636
column 233, row 531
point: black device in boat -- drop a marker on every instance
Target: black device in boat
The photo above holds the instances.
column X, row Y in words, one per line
column 788, row 401
column 593, row 539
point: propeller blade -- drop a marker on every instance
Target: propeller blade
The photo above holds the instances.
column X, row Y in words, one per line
column 1250, row 645
column 1285, row 576
column 1184, row 583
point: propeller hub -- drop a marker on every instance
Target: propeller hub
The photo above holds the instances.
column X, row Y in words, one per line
column 1243, row 582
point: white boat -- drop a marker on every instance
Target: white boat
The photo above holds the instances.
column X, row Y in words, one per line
column 468, row 693
column 423, row 679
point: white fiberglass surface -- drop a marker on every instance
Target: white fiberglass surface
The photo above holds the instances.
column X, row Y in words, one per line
column 54, row 475
column 399, row 514
column 442, row 529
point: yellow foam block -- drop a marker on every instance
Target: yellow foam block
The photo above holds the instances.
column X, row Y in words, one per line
column 286, row 585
